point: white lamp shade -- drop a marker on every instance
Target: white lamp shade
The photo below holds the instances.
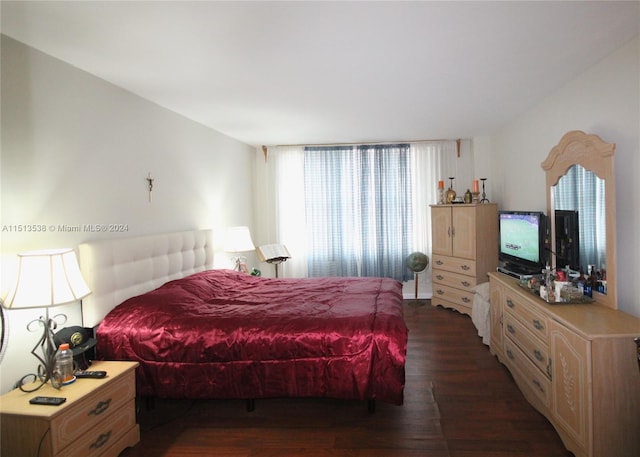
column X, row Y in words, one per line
column 238, row 240
column 47, row 278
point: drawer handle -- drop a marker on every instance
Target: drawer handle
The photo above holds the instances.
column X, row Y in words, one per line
column 510, row 304
column 538, row 385
column 101, row 441
column 439, row 262
column 465, row 267
column 466, row 283
column 511, row 329
column 466, row 300
column 440, row 277
column 538, row 355
column 100, row 408
column 510, row 354
column 549, row 370
column 537, row 324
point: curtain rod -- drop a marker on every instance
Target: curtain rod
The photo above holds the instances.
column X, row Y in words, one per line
column 265, row 149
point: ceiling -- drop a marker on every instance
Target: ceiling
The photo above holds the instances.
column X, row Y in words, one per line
column 331, row 72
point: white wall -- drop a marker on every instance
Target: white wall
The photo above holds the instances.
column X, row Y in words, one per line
column 604, row 100
column 76, row 150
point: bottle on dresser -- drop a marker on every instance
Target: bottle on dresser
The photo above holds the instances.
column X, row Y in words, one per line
column 63, row 372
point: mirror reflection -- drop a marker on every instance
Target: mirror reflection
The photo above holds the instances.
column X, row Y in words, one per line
column 585, row 194
column 580, row 222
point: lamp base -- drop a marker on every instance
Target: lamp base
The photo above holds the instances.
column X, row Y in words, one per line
column 240, row 264
column 46, row 368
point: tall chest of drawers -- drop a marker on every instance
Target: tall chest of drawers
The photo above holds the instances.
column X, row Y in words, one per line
column 464, row 249
column 576, row 364
column 98, row 418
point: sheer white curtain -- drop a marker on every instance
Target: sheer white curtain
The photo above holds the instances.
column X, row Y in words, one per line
column 288, row 182
column 430, row 162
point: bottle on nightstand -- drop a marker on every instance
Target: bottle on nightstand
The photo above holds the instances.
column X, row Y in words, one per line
column 64, row 365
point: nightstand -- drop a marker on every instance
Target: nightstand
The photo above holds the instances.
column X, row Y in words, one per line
column 98, row 418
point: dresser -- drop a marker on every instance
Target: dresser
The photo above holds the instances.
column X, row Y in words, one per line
column 576, row 364
column 98, row 418
column 464, row 249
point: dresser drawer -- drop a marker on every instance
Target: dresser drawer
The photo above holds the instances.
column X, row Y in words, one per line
column 461, row 308
column 458, row 296
column 454, row 264
column 91, row 410
column 534, row 321
column 456, row 280
column 533, row 348
column 532, row 382
column 104, row 434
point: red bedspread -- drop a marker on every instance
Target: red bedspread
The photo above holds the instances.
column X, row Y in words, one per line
column 224, row 334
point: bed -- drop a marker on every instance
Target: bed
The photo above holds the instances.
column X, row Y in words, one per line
column 205, row 333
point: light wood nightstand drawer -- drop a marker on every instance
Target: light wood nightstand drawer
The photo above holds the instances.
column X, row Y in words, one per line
column 454, row 264
column 98, row 412
column 105, row 434
column 89, row 411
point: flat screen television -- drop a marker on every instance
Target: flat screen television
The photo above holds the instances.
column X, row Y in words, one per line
column 522, row 241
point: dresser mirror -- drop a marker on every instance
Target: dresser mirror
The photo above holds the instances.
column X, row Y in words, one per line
column 581, row 167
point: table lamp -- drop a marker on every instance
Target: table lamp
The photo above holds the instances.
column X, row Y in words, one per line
column 46, row 279
column 238, row 240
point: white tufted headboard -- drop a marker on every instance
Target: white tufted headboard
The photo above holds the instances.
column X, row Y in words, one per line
column 118, row 269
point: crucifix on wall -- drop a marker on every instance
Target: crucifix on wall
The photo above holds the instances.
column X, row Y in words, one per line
column 150, row 183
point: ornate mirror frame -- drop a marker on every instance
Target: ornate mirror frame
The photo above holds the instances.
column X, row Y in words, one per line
column 579, row 148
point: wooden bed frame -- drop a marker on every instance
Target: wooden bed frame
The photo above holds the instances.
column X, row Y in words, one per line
column 121, row 268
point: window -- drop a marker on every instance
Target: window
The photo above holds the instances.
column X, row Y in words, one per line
column 358, row 210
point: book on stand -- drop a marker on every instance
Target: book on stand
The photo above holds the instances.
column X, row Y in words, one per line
column 273, row 253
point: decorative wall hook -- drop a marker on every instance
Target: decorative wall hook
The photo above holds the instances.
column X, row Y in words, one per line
column 150, row 181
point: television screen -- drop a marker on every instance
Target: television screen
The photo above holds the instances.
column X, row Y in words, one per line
column 522, row 240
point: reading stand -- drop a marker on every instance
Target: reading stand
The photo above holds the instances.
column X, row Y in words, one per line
column 274, row 254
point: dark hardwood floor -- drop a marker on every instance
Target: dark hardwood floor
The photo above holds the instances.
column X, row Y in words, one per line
column 459, row 402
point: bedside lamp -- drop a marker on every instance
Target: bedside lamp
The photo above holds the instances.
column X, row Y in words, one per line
column 238, row 240
column 46, row 279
